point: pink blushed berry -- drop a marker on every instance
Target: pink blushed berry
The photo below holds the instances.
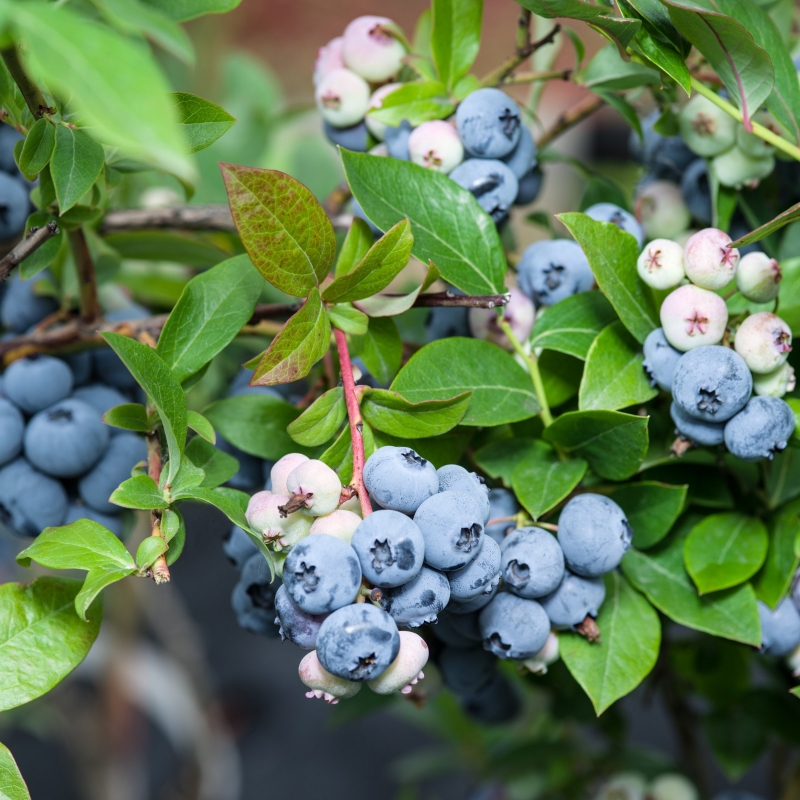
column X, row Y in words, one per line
column 660, row 264
column 342, row 98
column 329, row 58
column 709, row 260
column 758, row 277
column 406, row 670
column 692, row 317
column 764, row 341
column 435, row 145
column 371, row 50
column 322, row 684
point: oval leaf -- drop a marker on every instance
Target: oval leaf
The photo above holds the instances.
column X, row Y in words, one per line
column 202, row 122
column 76, row 164
column 773, row 581
column 38, row 147
column 391, row 413
column 141, row 491
column 651, row 508
column 128, row 416
column 455, row 37
column 541, row 481
column 320, row 421
column 12, row 785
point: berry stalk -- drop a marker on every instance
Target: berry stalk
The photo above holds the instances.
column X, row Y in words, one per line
column 160, row 570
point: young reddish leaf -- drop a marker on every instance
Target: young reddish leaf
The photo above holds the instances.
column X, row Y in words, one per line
column 302, row 342
column 284, row 229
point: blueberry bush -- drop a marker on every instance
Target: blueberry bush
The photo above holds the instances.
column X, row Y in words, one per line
column 530, row 476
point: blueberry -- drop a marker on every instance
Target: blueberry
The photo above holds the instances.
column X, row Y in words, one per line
column 128, row 312
column 502, row 503
column 665, row 156
column 342, row 98
column 369, row 48
column 761, row 429
column 445, row 323
column 489, row 123
column 453, row 478
column 249, row 476
column 253, row 598
column 390, row 548
column 480, row 576
column 530, row 184
column 711, row 383
column 14, row 206
column 493, row 184
column 553, row 269
column 322, row 574
column 22, row 307
column 495, row 704
column 461, row 608
column 624, row 220
column 460, row 630
column 522, row 159
column 66, row 439
column 8, row 138
column 77, row 511
column 101, row 398
column 660, row 359
column 37, row 382
column 780, row 629
column 114, row 467
column 452, row 524
column 435, row 145
column 418, row 601
column 80, row 365
column 354, row 137
column 513, row 627
column 238, row 546
column 574, row 600
column 697, row 190
column 396, row 139
column 466, row 672
column 29, row 500
column 532, row 562
column 296, row 625
column 594, row 534
column 697, row 431
column 358, row 642
column 12, row 428
column 706, row 129
column 400, row 479
column 109, row 366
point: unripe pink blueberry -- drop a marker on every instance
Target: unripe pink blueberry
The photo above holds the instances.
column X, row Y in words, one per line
column 777, row 383
column 764, row 341
column 545, row 657
column 352, row 504
column 708, row 259
column 263, row 515
column 660, row 264
column 519, row 313
column 406, row 670
column 758, row 277
column 705, row 128
column 329, row 58
column 661, row 209
column 736, row 169
column 370, row 49
column 436, row 145
column 339, row 523
column 319, row 483
column 691, row 317
column 376, row 128
column 281, row 469
column 322, row 684
column 342, row 98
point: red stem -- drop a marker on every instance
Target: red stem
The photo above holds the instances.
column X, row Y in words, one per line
column 356, row 423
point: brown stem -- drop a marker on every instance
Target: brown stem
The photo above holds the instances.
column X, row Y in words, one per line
column 680, row 446
column 159, row 570
column 525, row 49
column 87, row 281
column 33, row 241
column 532, row 77
column 356, row 423
column 450, row 300
column 589, row 629
column 30, row 91
column 570, row 118
column 335, row 202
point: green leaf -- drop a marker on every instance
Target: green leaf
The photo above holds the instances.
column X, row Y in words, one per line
column 449, row 226
column 174, row 530
column 725, row 550
column 188, row 249
column 217, row 466
column 348, row 319
column 42, row 638
column 44, row 255
column 455, row 37
column 12, row 784
column 189, row 477
column 148, row 551
column 614, row 377
column 76, row 163
column 612, row 255
column 320, row 421
column 218, row 498
column 201, row 426
column 211, row 311
column 541, row 481
column 391, row 413
column 608, row 72
column 384, row 305
column 339, row 456
column 84, row 544
column 154, row 376
column 129, row 416
column 38, row 147
column 785, row 218
column 630, row 634
column 379, row 267
column 284, row 229
column 202, row 122
column 571, row 325
column 381, row 349
column 417, row 102
column 613, row 443
column 499, row 459
column 141, row 491
column 356, row 244
column 561, row 376
column 661, row 575
column 665, row 57
column 652, row 508
column 113, row 82
column 501, row 389
column 255, row 423
column 182, row 10
column 302, row 342
column 773, row 581
column 736, row 738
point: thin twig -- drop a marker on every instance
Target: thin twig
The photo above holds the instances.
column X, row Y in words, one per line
column 570, row 118
column 30, row 91
column 87, row 280
column 532, row 77
column 160, row 570
column 525, row 49
column 33, row 241
column 450, row 300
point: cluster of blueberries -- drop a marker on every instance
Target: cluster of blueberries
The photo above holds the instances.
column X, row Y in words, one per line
column 15, row 188
column 484, row 147
column 667, row 786
column 431, row 552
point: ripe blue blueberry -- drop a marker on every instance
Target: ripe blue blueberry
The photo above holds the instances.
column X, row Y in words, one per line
column 696, row 190
column 253, row 598
column 358, row 642
column 780, row 629
column 522, row 159
column 466, row 672
column 458, row 630
column 530, row 184
column 390, row 548
column 322, row 574
column 711, row 383
column 574, row 600
column 697, row 431
column 400, row 479
column 489, row 123
column 452, row 524
column 14, row 206
column 8, row 139
column 249, row 478
column 354, row 137
column 66, row 439
column 532, row 562
column 80, row 365
column 502, row 504
column 396, row 139
column 553, row 269
column 761, row 429
column 497, row 703
column 238, row 547
column 78, row 511
column 101, row 398
column 624, row 220
column 37, row 382
column 513, row 627
column 12, row 429
column 418, row 601
column 114, row 467
column 660, row 359
column 445, row 323
column 480, row 576
column 22, row 307
column 296, row 625
column 665, row 156
column 29, row 500
column 453, row 478
column 594, row 534
column 492, row 183
column 461, row 608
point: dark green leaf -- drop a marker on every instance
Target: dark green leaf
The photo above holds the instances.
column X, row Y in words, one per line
column 188, row 249
column 174, row 530
column 129, row 416
column 773, row 581
column 381, row 349
column 76, row 163
column 736, row 738
column 417, row 102
column 218, row 467
column 221, row 500
column 784, row 218
column 189, row 477
column 141, row 491
column 607, row 71
column 384, row 305
column 148, row 551
column 455, row 37
column 201, row 426
column 44, row 255
column 499, row 459
column 357, row 243
column 339, row 456
column 320, row 421
column 652, row 509
column 202, row 122
column 391, row 413
column 12, row 785
column 542, row 480
column 38, row 147
column 182, row 10
column 348, row 319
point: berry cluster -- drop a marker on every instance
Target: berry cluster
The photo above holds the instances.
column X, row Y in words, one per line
column 667, row 786
column 484, row 147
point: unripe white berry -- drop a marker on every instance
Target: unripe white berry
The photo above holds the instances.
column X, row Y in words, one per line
column 764, row 341
column 672, row 786
column 519, row 313
column 758, row 277
column 376, row 128
column 406, row 669
column 708, row 259
column 264, row 515
column 436, row 145
column 339, row 523
column 660, row 264
column 751, row 144
column 545, row 657
column 281, row 469
column 705, row 128
column 691, row 317
column 370, row 50
column 319, row 483
column 322, row 684
column 342, row 98
column 777, row 383
column 736, row 169
column 661, row 209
